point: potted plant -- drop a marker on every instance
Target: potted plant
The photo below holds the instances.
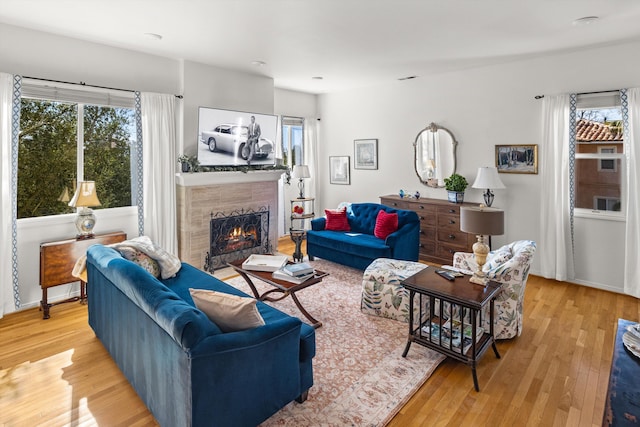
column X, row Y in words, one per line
column 455, row 185
column 189, row 163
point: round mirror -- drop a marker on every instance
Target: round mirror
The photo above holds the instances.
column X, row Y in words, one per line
column 435, row 155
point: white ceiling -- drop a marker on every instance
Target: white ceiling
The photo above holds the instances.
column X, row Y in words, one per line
column 349, row 43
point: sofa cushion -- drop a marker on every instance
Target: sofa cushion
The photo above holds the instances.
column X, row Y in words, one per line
column 230, row 312
column 386, row 223
column 337, row 220
column 140, row 258
column 365, row 245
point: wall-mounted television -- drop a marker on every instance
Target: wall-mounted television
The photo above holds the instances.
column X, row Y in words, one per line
column 224, row 135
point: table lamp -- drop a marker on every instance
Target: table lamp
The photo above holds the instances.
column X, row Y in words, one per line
column 85, row 198
column 488, row 178
column 301, row 172
column 481, row 221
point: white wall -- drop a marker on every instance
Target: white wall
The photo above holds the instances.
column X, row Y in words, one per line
column 482, row 107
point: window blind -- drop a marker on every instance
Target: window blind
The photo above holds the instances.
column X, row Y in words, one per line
column 77, row 94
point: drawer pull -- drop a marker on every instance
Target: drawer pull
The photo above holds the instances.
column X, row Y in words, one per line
column 421, row 207
column 451, row 221
column 452, row 211
column 421, row 245
column 452, row 236
column 395, row 204
column 451, row 251
column 422, row 218
column 421, row 231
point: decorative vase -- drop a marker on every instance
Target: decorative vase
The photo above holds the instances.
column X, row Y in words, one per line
column 185, row 167
column 455, row 196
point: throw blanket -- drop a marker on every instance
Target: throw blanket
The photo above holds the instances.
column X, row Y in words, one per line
column 169, row 264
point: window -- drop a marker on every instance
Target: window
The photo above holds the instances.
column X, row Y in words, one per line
column 68, row 136
column 607, row 164
column 292, row 141
column 599, row 154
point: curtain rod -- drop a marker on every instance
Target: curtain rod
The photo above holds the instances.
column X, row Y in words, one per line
column 84, row 84
column 585, row 93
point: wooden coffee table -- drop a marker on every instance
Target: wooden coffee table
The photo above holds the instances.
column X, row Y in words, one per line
column 280, row 286
column 469, row 297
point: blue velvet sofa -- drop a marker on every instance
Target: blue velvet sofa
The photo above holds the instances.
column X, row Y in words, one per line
column 183, row 367
column 359, row 247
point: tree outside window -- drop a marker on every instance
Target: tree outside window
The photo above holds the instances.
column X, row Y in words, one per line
column 53, row 155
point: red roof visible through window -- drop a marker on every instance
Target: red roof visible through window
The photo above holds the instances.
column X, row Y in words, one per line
column 587, row 131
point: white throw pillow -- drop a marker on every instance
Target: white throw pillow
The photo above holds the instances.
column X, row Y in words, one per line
column 230, row 312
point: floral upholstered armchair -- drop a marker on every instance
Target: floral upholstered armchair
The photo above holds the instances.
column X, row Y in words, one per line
column 508, row 265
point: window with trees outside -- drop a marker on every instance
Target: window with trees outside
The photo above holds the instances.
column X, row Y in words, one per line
column 68, row 136
column 292, row 141
column 599, row 155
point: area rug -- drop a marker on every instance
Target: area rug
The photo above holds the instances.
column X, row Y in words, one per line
column 360, row 377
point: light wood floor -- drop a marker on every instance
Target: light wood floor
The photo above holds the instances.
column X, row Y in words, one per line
column 55, row 372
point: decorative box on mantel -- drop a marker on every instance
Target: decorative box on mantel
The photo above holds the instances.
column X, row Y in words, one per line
column 202, row 193
column 440, row 235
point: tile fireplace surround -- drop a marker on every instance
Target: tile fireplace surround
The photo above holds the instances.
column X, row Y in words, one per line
column 200, row 194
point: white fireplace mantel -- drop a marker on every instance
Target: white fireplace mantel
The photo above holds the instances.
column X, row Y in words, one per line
column 213, row 178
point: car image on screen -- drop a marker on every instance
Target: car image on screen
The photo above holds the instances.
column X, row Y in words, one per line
column 233, row 139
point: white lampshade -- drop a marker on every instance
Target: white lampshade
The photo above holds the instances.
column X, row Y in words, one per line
column 488, row 178
column 301, row 171
column 85, row 195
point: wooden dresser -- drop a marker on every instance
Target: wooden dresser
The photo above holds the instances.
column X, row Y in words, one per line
column 440, row 235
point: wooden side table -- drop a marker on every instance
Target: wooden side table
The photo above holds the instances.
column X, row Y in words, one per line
column 429, row 329
column 57, row 260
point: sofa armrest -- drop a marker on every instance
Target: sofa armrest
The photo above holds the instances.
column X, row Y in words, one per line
column 249, row 339
column 318, row 224
column 405, row 241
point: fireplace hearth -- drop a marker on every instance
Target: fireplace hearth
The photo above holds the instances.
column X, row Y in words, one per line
column 235, row 235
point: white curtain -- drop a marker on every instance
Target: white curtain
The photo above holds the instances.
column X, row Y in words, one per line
column 555, row 246
column 6, row 216
column 632, row 241
column 311, row 131
column 159, row 163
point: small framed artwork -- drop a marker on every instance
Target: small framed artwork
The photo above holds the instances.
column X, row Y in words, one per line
column 339, row 170
column 366, row 154
column 517, row 158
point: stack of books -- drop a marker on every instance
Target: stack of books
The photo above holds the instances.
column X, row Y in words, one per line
column 295, row 273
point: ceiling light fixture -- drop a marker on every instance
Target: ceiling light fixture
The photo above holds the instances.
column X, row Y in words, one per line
column 317, row 78
column 585, row 20
column 153, row 36
column 408, row 78
column 258, row 63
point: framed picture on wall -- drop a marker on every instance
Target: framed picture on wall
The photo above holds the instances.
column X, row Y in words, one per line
column 517, row 158
column 366, row 154
column 339, row 170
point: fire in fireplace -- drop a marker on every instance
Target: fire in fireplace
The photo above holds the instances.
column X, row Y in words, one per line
column 236, row 235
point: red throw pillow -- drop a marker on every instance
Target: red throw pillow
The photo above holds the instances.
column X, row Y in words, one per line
column 386, row 223
column 336, row 220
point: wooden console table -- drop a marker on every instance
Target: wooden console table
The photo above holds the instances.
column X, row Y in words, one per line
column 57, row 260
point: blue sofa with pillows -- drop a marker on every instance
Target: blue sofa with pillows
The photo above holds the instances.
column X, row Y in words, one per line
column 359, row 233
column 187, row 369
